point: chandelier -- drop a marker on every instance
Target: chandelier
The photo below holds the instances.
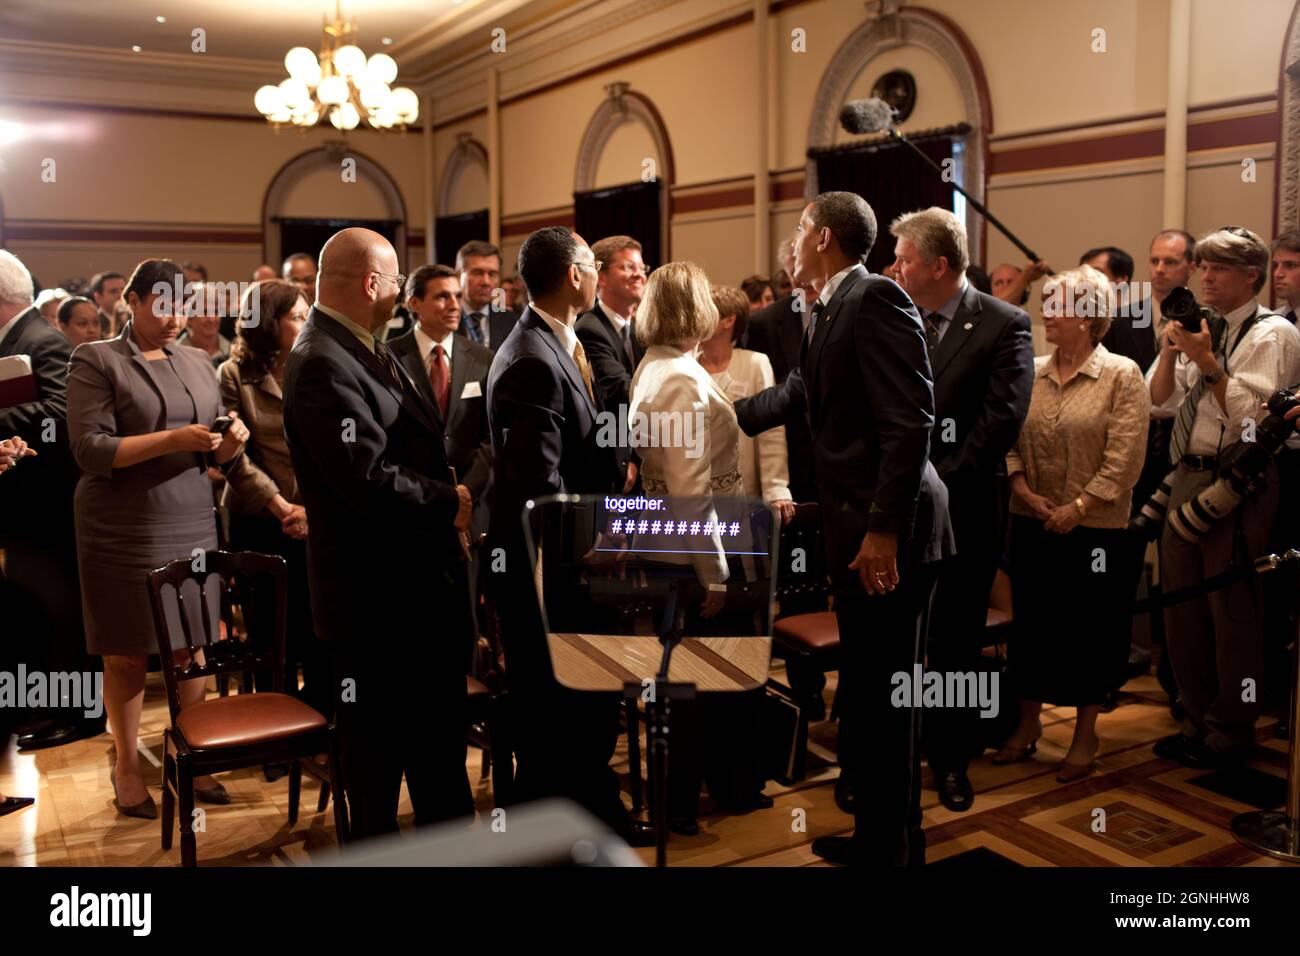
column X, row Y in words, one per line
column 342, row 84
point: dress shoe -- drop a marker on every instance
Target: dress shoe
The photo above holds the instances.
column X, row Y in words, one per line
column 57, row 734
column 955, row 791
column 835, row 849
column 146, row 809
column 844, row 795
column 1196, row 754
column 684, row 826
column 274, row 771
column 215, row 794
column 1110, row 701
column 639, row 833
column 10, row 804
column 759, row 801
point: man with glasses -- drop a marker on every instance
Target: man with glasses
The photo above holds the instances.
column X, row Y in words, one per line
column 542, row 414
column 1213, row 382
column 607, row 330
column 381, row 500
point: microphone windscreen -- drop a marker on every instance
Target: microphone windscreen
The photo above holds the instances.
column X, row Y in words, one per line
column 867, row 116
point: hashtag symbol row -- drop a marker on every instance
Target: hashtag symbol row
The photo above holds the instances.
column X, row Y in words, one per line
column 664, row 527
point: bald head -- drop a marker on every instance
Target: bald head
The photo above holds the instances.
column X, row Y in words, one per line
column 358, row 276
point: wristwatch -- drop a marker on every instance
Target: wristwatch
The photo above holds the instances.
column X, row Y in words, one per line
column 1078, row 506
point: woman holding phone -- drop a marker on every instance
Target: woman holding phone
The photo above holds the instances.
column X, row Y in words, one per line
column 141, row 414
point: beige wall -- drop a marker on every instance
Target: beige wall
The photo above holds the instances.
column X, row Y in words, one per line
column 120, row 169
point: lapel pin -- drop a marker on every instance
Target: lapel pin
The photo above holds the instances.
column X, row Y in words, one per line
column 968, row 326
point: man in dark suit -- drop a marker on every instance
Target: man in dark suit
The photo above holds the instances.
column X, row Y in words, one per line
column 778, row 331
column 542, row 409
column 982, row 358
column 37, row 532
column 451, row 372
column 607, row 329
column 486, row 316
column 864, row 385
column 372, row 468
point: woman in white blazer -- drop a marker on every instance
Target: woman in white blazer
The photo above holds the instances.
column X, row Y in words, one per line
column 740, row 373
column 688, row 438
column 714, row 737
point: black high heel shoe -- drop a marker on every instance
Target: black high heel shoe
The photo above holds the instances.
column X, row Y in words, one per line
column 146, row 809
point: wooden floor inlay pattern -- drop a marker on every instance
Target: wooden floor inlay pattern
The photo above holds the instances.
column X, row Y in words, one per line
column 1155, row 812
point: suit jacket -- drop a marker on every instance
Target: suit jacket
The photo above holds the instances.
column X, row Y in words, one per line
column 465, row 430
column 543, row 427
column 1139, row 344
column 500, row 324
column 777, row 331
column 544, row 442
column 865, row 389
column 983, row 376
column 611, row 366
column 266, row 468
column 373, row 473
column 36, row 495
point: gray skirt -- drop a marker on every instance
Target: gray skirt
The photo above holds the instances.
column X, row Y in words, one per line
column 119, row 541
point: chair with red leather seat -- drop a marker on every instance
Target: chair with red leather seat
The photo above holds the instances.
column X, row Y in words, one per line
column 804, row 634
column 247, row 729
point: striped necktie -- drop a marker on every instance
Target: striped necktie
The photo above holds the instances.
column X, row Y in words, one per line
column 1187, row 410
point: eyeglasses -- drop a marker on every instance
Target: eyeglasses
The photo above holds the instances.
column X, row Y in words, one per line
column 628, row 268
column 399, row 278
column 594, row 265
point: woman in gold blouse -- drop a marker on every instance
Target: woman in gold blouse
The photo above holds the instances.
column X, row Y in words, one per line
column 1072, row 473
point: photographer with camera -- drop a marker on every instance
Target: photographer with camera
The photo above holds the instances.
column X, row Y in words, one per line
column 1215, row 369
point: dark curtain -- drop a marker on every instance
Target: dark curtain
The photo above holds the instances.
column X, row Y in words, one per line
column 631, row 210
column 452, row 232
column 892, row 178
column 308, row 235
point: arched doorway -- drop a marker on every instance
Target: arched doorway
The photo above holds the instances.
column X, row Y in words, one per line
column 625, row 139
column 896, row 29
column 462, row 200
column 320, row 191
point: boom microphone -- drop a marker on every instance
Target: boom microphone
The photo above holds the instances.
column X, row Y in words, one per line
column 867, row 116
column 877, row 116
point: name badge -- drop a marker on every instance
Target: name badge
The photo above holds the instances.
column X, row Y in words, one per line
column 472, row 390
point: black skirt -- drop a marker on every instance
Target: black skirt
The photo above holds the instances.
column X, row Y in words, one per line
column 1070, row 596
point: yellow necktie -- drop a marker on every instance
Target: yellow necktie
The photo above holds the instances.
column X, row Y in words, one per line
column 580, row 357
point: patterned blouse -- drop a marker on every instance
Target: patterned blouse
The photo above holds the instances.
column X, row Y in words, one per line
column 1088, row 435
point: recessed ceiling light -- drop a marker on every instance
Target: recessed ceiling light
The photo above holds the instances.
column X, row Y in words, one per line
column 135, row 49
column 161, row 19
column 387, row 41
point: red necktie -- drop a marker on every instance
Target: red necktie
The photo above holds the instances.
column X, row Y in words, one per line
column 439, row 378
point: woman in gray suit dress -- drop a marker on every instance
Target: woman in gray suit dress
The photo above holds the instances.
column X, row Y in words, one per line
column 140, row 410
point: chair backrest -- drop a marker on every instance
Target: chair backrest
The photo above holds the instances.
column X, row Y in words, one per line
column 241, row 579
column 801, row 582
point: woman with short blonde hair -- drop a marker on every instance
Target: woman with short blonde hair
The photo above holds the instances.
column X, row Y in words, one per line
column 1072, row 472
column 677, row 308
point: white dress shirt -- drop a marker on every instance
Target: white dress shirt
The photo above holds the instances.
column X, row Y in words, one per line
column 833, row 283
column 1267, row 358
column 426, row 345
column 568, row 338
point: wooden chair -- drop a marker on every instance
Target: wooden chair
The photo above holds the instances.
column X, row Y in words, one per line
column 245, row 730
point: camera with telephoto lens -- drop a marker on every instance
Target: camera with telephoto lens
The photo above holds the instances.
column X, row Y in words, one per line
column 1241, row 472
column 1181, row 306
